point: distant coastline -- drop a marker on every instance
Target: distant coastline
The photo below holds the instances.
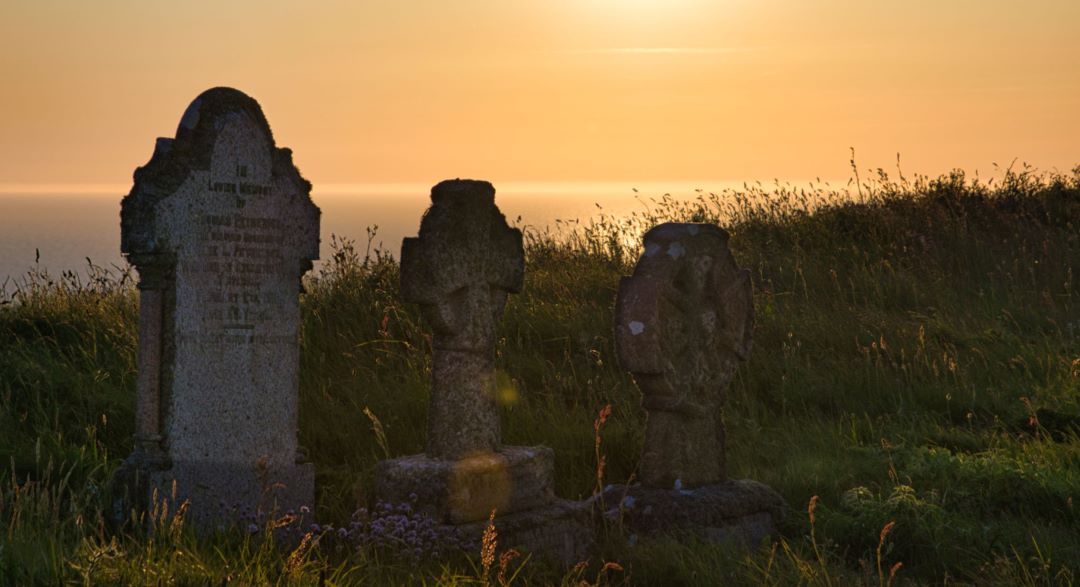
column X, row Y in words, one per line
column 59, row 226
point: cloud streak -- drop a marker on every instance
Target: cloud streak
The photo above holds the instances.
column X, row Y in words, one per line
column 665, row 51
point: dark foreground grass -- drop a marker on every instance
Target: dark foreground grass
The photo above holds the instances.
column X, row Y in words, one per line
column 914, row 393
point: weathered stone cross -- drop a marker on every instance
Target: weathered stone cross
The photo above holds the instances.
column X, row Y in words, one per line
column 460, row 270
column 683, row 321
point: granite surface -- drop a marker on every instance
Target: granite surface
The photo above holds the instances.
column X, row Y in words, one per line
column 460, row 270
column 221, row 227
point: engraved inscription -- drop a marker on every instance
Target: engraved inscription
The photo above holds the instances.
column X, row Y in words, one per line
column 238, row 187
column 241, row 254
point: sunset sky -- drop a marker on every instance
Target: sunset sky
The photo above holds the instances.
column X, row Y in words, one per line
column 555, row 90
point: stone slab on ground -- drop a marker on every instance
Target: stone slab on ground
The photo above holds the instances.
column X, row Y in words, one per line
column 743, row 510
column 220, row 493
column 561, row 532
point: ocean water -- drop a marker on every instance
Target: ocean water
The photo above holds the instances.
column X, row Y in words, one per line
column 62, row 229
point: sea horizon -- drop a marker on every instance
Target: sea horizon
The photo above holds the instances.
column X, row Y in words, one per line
column 65, row 227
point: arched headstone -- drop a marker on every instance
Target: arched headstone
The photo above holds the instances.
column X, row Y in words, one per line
column 221, row 227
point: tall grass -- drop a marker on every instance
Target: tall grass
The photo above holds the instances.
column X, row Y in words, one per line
column 915, row 376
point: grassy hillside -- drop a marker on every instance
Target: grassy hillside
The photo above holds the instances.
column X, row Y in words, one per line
column 914, row 393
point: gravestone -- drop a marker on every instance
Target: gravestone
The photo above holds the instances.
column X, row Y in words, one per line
column 460, row 270
column 221, row 227
column 684, row 320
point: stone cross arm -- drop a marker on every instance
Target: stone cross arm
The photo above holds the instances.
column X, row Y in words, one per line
column 463, row 263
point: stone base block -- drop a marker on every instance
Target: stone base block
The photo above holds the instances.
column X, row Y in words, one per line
column 744, row 510
column 224, row 493
column 131, row 484
column 513, row 479
column 561, row 532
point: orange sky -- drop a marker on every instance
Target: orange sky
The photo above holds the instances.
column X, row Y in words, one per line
column 554, row 90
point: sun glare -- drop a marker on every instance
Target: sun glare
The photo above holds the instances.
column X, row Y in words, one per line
column 651, row 10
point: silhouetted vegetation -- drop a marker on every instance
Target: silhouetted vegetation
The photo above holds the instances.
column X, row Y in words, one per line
column 913, row 392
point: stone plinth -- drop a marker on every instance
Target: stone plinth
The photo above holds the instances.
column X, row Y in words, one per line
column 221, row 227
column 467, row 490
column 219, row 491
column 561, row 532
column 744, row 511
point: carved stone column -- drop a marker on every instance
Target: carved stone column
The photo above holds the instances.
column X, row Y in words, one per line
column 153, row 277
